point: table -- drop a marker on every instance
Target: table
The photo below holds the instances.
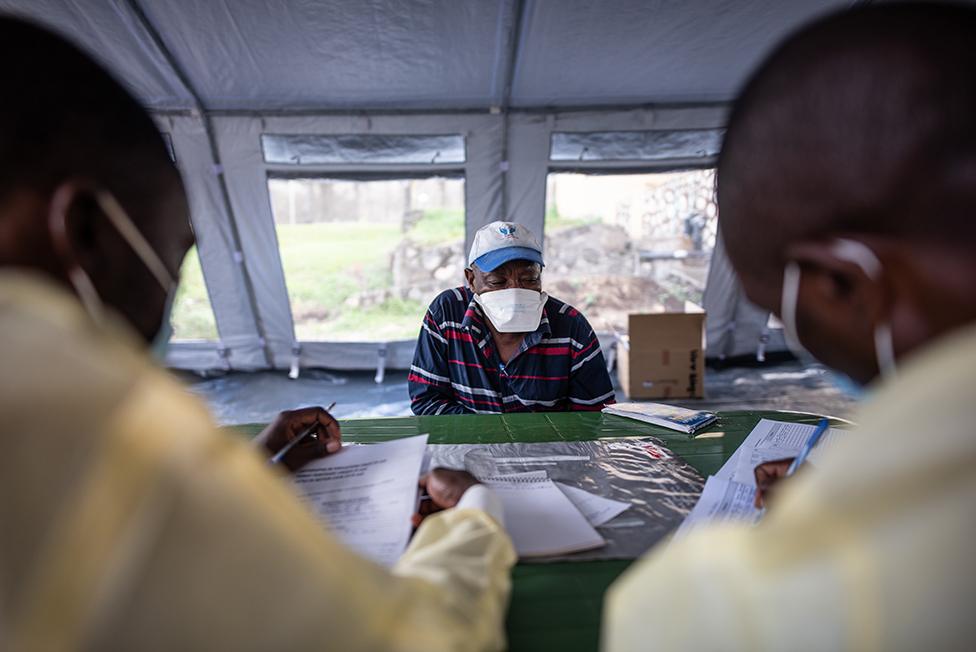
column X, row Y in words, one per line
column 558, row 606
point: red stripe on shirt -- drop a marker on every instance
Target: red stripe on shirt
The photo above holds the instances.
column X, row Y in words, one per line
column 541, row 350
column 473, row 316
column 472, row 400
column 454, row 334
column 586, row 348
column 473, row 364
column 414, row 378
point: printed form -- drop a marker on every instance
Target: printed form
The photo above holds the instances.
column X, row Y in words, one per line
column 367, row 494
column 772, row 440
column 721, row 501
column 729, row 494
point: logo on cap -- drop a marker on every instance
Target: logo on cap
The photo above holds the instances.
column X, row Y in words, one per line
column 507, row 230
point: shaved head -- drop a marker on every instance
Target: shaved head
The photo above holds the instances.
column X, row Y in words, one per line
column 64, row 115
column 864, row 122
column 69, row 132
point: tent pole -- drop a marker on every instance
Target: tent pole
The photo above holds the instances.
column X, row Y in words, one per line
column 514, row 43
column 208, row 129
column 549, row 109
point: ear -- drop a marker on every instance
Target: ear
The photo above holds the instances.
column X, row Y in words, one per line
column 72, row 223
column 469, row 277
column 833, row 281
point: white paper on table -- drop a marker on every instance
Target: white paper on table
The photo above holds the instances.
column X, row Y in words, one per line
column 772, row 440
column 540, row 518
column 722, row 500
column 367, row 494
column 597, row 509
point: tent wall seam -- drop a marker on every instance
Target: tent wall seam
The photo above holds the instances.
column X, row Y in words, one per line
column 514, row 38
column 201, row 109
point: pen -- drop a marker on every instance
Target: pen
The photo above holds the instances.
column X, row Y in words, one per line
column 294, row 442
column 808, row 447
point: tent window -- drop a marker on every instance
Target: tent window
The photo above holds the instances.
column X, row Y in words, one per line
column 364, row 258
column 635, row 145
column 362, row 149
column 620, row 243
column 193, row 317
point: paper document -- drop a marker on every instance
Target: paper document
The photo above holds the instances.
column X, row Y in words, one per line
column 722, row 500
column 367, row 494
column 772, row 440
column 596, row 509
column 540, row 518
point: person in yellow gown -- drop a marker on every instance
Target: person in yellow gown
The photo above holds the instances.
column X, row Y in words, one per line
column 127, row 521
column 847, row 202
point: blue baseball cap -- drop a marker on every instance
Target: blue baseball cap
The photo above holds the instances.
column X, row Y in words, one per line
column 500, row 242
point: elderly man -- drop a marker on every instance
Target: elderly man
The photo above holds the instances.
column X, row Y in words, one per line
column 500, row 344
column 128, row 521
column 847, row 194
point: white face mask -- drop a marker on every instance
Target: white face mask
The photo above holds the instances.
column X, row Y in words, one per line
column 862, row 256
column 513, row 310
column 130, row 233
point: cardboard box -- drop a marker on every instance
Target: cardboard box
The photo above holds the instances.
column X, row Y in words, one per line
column 663, row 356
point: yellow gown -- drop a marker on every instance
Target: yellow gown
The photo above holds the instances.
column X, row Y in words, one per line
column 874, row 549
column 128, row 522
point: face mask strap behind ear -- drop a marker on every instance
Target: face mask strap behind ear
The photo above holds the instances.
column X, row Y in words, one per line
column 130, row 233
column 80, row 280
column 861, row 255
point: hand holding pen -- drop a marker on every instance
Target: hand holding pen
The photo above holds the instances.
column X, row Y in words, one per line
column 296, row 437
column 769, row 474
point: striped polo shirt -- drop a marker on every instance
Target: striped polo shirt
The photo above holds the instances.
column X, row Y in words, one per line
column 457, row 369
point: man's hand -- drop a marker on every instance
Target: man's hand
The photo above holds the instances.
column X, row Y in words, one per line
column 444, row 488
column 325, row 439
column 768, row 475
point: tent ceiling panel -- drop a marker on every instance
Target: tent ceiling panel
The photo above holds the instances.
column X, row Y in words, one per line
column 112, row 34
column 579, row 52
column 289, row 54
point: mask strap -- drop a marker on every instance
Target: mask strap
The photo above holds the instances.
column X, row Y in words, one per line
column 861, row 255
column 87, row 294
column 117, row 215
column 791, row 294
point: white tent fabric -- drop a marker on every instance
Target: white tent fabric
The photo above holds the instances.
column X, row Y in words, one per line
column 734, row 327
column 506, row 75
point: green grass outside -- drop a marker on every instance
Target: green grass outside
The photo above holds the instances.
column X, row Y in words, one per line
column 192, row 318
column 324, row 265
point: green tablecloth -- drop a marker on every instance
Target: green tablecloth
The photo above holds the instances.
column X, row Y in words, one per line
column 557, row 606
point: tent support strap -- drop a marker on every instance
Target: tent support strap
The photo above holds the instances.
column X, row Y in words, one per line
column 208, row 129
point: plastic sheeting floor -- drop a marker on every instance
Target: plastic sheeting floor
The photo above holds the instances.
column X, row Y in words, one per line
column 257, row 397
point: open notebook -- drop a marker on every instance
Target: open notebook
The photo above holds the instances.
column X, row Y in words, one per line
column 540, row 518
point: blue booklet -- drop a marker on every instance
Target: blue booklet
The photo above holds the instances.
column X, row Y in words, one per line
column 666, row 416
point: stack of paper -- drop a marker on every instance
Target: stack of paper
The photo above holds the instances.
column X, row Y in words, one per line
column 666, row 416
column 367, row 494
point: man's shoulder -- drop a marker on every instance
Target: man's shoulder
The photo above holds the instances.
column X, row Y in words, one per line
column 562, row 315
column 450, row 302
